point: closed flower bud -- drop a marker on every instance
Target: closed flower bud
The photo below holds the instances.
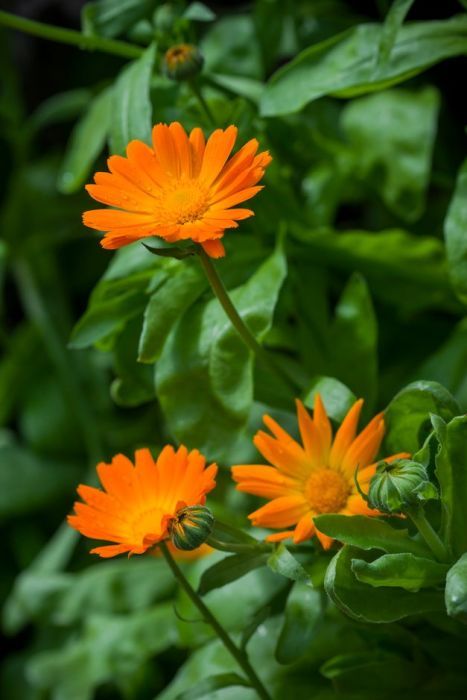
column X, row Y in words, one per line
column 398, row 485
column 183, row 61
column 191, row 527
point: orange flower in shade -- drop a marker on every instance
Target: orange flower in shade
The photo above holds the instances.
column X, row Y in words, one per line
column 138, row 502
column 181, row 188
column 315, row 477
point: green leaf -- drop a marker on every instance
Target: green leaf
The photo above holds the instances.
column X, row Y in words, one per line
column 282, row 562
column 407, row 417
column 346, row 65
column 60, row 108
column 451, row 472
column 366, row 604
column 230, row 47
column 204, row 375
column 230, row 569
column 198, row 12
column 28, row 482
column 353, row 339
column 398, row 165
column 392, row 24
column 86, row 142
column 134, row 384
column 369, row 533
column 337, row 398
column 455, row 227
column 166, row 306
column 406, row 271
column 210, row 685
column 131, row 103
column 401, row 571
column 456, row 590
column 360, row 674
column 109, row 18
column 120, row 296
column 302, row 613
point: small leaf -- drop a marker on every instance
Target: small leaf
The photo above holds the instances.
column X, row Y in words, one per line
column 86, row 142
column 171, row 252
column 282, row 562
column 456, row 590
column 401, row 571
column 229, row 569
column 369, row 533
column 131, row 103
column 392, row 24
column 198, row 12
column 337, row 398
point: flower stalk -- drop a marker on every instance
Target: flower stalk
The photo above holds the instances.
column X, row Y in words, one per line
column 430, row 536
column 70, row 36
column 225, row 301
column 196, row 90
column 239, row 656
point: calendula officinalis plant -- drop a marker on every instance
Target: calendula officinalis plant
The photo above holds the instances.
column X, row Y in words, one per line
column 233, row 453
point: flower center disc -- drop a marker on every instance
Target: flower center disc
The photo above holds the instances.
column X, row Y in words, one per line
column 186, row 203
column 327, row 491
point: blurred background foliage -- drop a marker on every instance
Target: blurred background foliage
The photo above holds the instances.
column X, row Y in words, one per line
column 353, row 272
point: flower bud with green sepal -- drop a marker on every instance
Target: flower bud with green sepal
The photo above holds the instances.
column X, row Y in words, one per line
column 182, row 62
column 398, row 485
column 191, row 527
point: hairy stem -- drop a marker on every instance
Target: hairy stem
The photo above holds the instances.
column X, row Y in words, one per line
column 431, row 537
column 240, row 657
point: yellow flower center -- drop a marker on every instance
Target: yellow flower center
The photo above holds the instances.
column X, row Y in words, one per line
column 145, row 523
column 327, row 491
column 186, row 202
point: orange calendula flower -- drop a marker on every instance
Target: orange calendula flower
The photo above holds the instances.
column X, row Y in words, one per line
column 139, row 501
column 181, row 188
column 315, row 477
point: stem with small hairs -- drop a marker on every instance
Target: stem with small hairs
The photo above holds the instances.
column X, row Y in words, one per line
column 431, row 537
column 240, row 657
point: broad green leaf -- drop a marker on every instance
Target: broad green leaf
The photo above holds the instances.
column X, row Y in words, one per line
column 392, row 24
column 346, row 65
column 131, row 103
column 134, row 384
column 282, row 562
column 110, row 18
column 229, row 47
column 406, row 271
column 367, row 604
column 401, row 571
column 369, row 533
column 204, row 375
column 210, row 685
column 451, row 472
column 407, row 417
column 456, row 590
column 29, row 482
column 86, row 142
column 167, row 304
column 455, row 227
column 337, row 398
column 353, row 339
column 120, row 296
column 303, row 610
column 230, row 569
column 392, row 134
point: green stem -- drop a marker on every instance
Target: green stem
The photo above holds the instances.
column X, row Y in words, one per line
column 250, row 341
column 239, row 656
column 196, row 90
column 430, row 536
column 70, row 36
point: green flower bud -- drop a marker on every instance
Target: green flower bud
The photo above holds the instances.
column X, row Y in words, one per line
column 191, row 527
column 399, row 485
column 183, row 61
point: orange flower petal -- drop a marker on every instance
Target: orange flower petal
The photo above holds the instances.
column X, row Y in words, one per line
column 305, row 528
column 279, row 536
column 345, row 435
column 280, row 512
column 215, row 249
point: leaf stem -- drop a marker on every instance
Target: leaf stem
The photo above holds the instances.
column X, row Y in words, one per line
column 196, row 90
column 70, row 36
column 430, row 536
column 225, row 301
column 240, row 657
